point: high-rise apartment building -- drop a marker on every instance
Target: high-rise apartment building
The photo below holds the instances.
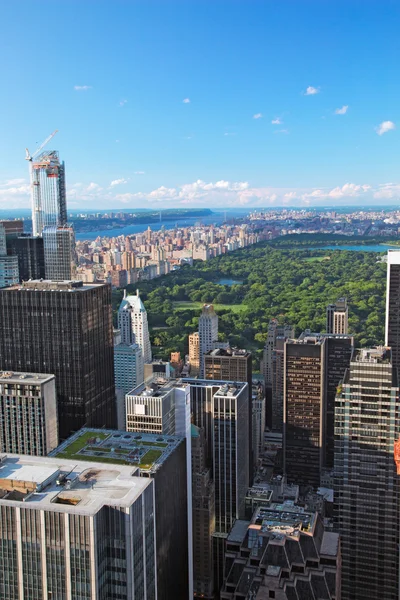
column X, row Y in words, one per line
column 132, row 321
column 283, row 552
column 59, row 253
column 28, row 413
column 49, row 215
column 63, row 328
column 30, row 253
column 208, row 332
column 337, row 317
column 162, row 459
column 9, row 274
column 392, row 329
column 203, row 518
column 73, row 529
column 194, row 353
column 314, row 365
column 234, row 364
column 367, row 501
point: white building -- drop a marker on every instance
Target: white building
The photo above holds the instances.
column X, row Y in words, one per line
column 208, row 332
column 132, row 321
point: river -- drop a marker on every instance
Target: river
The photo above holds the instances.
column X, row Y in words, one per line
column 216, row 218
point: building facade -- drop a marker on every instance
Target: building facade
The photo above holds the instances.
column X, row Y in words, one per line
column 208, row 333
column 337, row 317
column 132, row 321
column 9, row 274
column 59, row 253
column 80, row 530
column 28, row 413
column 392, row 325
column 129, row 373
column 30, row 253
column 65, row 329
column 367, row 499
column 194, row 353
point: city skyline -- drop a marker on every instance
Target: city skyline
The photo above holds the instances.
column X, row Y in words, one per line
column 284, row 105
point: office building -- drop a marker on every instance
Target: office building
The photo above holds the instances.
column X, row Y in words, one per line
column 49, row 215
column 277, row 384
column 283, row 552
column 221, row 409
column 158, row 369
column 314, row 364
column 392, row 328
column 30, row 253
column 132, row 321
column 65, row 329
column 203, row 503
column 258, row 421
column 28, row 413
column 366, row 486
column 194, row 353
column 9, row 274
column 163, row 459
column 128, row 372
column 13, row 228
column 337, row 317
column 164, row 409
column 233, row 364
column 74, row 529
column 208, row 333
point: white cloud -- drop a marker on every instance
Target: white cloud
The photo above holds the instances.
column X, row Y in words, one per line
column 341, row 111
column 384, row 127
column 139, row 172
column 286, row 131
column 311, row 91
column 186, row 101
column 257, row 116
column 118, row 182
column 388, row 191
column 94, row 187
column 122, row 102
column 227, row 133
column 82, row 88
column 277, row 121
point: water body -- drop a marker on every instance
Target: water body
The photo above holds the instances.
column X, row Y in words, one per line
column 216, row 218
column 360, row 248
column 229, row 282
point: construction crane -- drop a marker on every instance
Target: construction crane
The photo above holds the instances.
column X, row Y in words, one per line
column 46, row 141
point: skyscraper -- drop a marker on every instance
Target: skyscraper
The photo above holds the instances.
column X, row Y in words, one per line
column 49, row 214
column 314, row 365
column 337, row 317
column 234, row 364
column 30, row 253
column 367, row 501
column 275, row 330
column 208, row 332
column 392, row 329
column 65, row 329
column 8, row 264
column 28, row 413
column 194, row 353
column 74, row 529
column 132, row 322
column 129, row 373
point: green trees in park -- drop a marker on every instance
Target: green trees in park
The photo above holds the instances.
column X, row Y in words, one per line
column 294, row 285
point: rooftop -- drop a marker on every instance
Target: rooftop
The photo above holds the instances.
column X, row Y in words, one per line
column 67, row 486
column 26, row 378
column 228, row 352
column 286, row 518
column 226, row 388
column 53, row 286
column 147, row 451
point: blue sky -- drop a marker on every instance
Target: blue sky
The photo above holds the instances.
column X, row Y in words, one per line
column 113, row 77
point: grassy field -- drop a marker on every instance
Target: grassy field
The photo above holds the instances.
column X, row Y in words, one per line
column 197, row 306
column 316, row 258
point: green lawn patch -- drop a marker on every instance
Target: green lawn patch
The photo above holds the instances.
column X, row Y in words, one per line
column 81, row 442
column 197, row 306
column 316, row 258
column 149, row 458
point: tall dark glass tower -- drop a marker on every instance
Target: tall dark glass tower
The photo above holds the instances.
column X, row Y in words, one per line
column 66, row 329
column 392, row 333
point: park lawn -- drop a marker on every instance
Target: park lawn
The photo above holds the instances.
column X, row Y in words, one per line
column 187, row 305
column 81, row 442
column 316, row 258
column 148, row 459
